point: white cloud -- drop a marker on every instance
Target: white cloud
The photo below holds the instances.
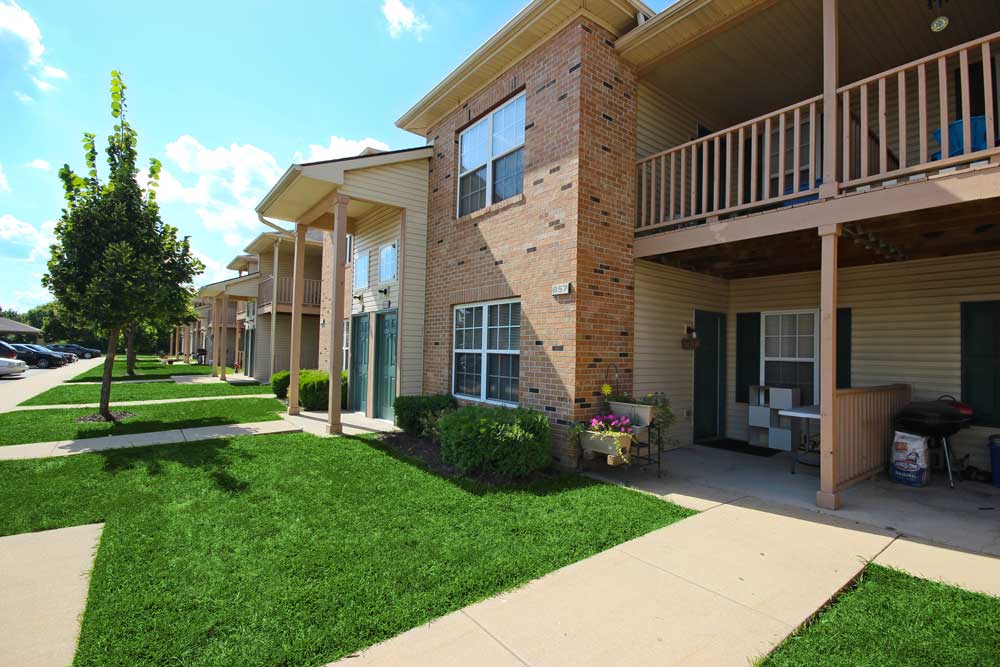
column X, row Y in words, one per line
column 25, row 300
column 50, row 72
column 33, row 241
column 21, row 97
column 214, row 269
column 18, row 22
column 43, row 86
column 235, row 240
column 337, row 148
column 245, row 170
column 4, row 185
column 38, row 163
column 403, row 18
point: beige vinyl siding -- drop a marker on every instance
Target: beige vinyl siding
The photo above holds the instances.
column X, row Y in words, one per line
column 262, row 348
column 377, row 229
column 665, row 122
column 665, row 301
column 403, row 185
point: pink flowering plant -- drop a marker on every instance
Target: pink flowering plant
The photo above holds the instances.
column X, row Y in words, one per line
column 611, row 424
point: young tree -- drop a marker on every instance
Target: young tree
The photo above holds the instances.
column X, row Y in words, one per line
column 115, row 263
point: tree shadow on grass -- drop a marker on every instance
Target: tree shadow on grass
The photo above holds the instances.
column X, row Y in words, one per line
column 213, row 457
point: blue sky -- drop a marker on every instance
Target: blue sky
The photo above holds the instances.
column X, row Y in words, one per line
column 226, row 94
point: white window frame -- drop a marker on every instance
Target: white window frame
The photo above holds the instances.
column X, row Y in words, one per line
column 483, row 351
column 395, row 269
column 490, row 158
column 345, row 344
column 357, row 273
column 815, row 358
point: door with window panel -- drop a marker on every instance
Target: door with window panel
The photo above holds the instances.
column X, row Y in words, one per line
column 790, row 352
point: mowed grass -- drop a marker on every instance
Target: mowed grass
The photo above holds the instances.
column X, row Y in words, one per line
column 71, row 394
column 296, row 550
column 146, row 368
column 24, row 426
column 892, row 619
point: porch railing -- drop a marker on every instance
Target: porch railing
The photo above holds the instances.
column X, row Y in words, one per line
column 265, row 288
column 917, row 119
column 312, row 291
column 865, row 429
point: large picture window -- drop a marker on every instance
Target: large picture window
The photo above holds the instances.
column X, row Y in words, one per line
column 789, row 357
column 491, row 158
column 487, row 361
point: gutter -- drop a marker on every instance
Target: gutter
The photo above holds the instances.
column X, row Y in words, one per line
column 278, row 228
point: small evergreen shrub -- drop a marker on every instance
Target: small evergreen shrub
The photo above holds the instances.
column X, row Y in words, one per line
column 418, row 415
column 343, row 390
column 314, row 389
column 504, row 442
column 279, row 383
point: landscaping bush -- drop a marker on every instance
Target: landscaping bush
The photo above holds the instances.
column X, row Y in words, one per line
column 417, row 415
column 279, row 383
column 504, row 442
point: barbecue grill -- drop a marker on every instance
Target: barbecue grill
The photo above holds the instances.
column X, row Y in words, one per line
column 938, row 419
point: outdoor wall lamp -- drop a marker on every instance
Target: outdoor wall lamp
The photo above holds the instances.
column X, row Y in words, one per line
column 384, row 290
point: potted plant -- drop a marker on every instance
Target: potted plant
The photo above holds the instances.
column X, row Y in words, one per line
column 610, row 435
column 643, row 410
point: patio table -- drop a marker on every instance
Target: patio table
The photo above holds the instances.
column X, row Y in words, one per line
column 807, row 413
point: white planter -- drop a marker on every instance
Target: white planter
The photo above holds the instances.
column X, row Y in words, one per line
column 641, row 415
column 608, row 444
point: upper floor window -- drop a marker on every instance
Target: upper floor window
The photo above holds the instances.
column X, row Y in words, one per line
column 491, row 158
column 361, row 270
column 387, row 263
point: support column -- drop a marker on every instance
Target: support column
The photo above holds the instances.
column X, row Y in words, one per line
column 224, row 342
column 831, row 77
column 216, row 307
column 170, row 345
column 335, row 327
column 298, row 287
column 274, row 303
column 828, row 495
column 187, row 343
column 236, row 354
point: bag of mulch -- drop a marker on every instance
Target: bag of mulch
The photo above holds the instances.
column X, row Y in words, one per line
column 909, row 464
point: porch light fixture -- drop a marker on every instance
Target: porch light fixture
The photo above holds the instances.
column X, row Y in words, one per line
column 941, row 22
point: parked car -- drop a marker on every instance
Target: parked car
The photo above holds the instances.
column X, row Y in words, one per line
column 11, row 366
column 78, row 350
column 41, row 359
column 7, row 351
column 68, row 356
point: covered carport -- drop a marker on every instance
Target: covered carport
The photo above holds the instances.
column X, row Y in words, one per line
column 10, row 328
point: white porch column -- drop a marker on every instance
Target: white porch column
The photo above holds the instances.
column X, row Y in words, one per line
column 831, row 77
column 828, row 495
column 236, row 353
column 216, row 319
column 274, row 303
column 335, row 327
column 298, row 286
column 224, row 343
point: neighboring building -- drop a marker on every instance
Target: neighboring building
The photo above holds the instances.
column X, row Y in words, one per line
column 727, row 194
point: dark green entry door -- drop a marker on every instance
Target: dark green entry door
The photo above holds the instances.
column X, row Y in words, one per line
column 248, row 351
column 709, row 375
column 385, row 364
column 358, row 377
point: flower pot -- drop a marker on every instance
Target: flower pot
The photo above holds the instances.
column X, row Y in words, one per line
column 641, row 415
column 608, row 444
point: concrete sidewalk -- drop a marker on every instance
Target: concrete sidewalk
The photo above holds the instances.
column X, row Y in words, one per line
column 41, row 450
column 156, row 401
column 721, row 588
column 352, row 423
column 44, row 578
column 14, row 389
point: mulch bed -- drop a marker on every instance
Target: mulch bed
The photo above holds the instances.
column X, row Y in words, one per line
column 116, row 415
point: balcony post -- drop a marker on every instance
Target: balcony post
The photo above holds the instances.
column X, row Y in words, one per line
column 236, row 352
column 224, row 337
column 274, row 301
column 298, row 283
column 831, row 77
column 828, row 495
column 335, row 327
column 170, row 346
column 215, row 336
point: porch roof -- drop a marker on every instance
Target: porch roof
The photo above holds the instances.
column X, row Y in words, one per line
column 239, row 288
column 306, row 190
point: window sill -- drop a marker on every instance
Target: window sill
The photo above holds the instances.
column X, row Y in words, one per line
column 493, row 208
column 487, row 401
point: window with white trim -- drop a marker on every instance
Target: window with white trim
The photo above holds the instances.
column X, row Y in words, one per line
column 361, row 271
column 491, row 158
column 387, row 263
column 346, row 343
column 789, row 357
column 487, row 344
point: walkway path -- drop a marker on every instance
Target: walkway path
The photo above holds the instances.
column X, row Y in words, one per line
column 13, row 390
column 119, row 404
column 352, row 423
column 721, row 588
column 44, row 579
column 41, row 450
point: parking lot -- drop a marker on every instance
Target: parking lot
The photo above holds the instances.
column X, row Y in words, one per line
column 16, row 388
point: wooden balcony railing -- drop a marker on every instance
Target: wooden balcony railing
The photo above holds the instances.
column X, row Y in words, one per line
column 313, row 290
column 865, row 429
column 928, row 115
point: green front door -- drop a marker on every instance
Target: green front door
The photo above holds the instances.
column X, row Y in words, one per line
column 385, row 364
column 357, row 381
column 248, row 351
column 709, row 375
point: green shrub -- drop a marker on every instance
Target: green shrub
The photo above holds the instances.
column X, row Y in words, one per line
column 504, row 442
column 279, row 383
column 343, row 390
column 417, row 415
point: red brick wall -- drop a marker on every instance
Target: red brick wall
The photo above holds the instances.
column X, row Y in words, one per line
column 554, row 233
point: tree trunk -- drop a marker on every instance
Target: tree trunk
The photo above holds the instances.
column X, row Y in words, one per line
column 130, row 351
column 109, row 365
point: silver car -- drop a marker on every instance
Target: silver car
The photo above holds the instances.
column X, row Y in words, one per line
column 12, row 366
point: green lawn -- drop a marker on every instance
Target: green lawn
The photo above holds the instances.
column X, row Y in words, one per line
column 892, row 619
column 295, row 550
column 146, row 367
column 23, row 426
column 66, row 394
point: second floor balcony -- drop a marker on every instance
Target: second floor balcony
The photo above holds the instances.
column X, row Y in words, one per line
column 312, row 292
column 748, row 121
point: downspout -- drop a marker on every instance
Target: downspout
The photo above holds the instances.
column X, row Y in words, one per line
column 274, row 303
column 278, row 228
